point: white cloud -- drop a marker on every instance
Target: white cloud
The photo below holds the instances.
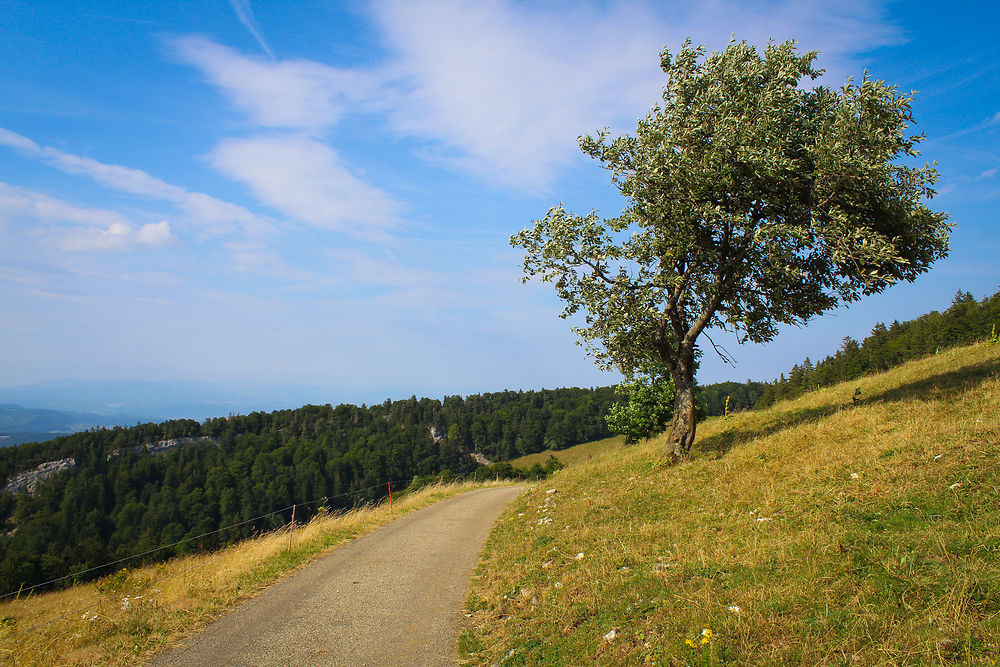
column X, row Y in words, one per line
column 254, row 258
column 989, row 173
column 295, row 94
column 213, row 214
column 507, row 91
column 117, row 236
column 306, row 180
column 24, row 203
column 104, row 229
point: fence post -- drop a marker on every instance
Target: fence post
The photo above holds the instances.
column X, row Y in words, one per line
column 474, row 473
column 291, row 529
column 389, row 484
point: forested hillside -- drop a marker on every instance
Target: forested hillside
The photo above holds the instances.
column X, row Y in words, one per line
column 123, row 491
column 965, row 321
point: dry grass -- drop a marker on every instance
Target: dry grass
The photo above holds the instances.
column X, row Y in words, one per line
column 819, row 531
column 126, row 618
column 571, row 455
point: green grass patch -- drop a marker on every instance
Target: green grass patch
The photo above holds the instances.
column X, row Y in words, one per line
column 572, row 455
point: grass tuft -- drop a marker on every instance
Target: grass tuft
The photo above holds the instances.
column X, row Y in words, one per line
column 836, row 528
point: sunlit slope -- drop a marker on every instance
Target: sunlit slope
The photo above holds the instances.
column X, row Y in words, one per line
column 571, row 455
column 820, row 531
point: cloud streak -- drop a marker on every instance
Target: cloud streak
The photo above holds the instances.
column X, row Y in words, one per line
column 306, row 180
column 289, row 94
column 103, row 229
column 244, row 12
column 117, row 236
column 212, row 214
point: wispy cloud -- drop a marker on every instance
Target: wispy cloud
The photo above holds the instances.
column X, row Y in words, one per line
column 255, row 258
column 986, row 123
column 306, row 180
column 117, row 236
column 293, row 94
column 244, row 12
column 103, row 229
column 24, row 203
column 212, row 214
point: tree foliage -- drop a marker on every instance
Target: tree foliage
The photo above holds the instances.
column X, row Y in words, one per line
column 751, row 203
column 647, row 411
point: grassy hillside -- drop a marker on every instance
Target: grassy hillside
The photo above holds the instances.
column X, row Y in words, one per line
column 832, row 529
column 571, row 455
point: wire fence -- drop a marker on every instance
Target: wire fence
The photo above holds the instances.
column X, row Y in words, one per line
column 120, row 561
column 149, row 552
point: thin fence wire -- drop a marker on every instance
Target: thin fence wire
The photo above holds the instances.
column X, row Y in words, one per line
column 22, row 591
column 78, row 610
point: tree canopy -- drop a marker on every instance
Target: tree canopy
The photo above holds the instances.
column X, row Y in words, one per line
column 752, row 202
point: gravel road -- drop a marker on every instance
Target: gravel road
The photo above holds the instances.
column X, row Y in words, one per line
column 393, row 597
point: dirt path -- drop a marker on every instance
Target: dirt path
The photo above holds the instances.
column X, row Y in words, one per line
column 393, row 597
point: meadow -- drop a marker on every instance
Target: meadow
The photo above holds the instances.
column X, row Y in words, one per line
column 858, row 524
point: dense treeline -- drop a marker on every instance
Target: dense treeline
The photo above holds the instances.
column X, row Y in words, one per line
column 120, row 499
column 741, row 396
column 965, row 321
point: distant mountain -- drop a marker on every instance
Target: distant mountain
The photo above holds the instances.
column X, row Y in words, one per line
column 158, row 401
column 19, row 424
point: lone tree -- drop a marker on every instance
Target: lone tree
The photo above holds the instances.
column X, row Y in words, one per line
column 751, row 202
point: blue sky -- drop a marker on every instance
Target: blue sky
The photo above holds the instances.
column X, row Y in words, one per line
column 321, row 193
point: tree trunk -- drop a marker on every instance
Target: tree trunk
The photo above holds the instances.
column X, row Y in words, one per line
column 682, row 430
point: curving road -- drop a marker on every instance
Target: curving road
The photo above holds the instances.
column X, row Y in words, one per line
column 393, row 597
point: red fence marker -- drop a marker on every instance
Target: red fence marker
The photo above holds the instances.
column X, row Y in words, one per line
column 389, row 484
column 474, row 473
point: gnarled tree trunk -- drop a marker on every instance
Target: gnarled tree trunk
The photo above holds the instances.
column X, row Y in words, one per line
column 682, row 431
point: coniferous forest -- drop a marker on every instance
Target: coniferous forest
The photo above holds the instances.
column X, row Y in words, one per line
column 965, row 321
